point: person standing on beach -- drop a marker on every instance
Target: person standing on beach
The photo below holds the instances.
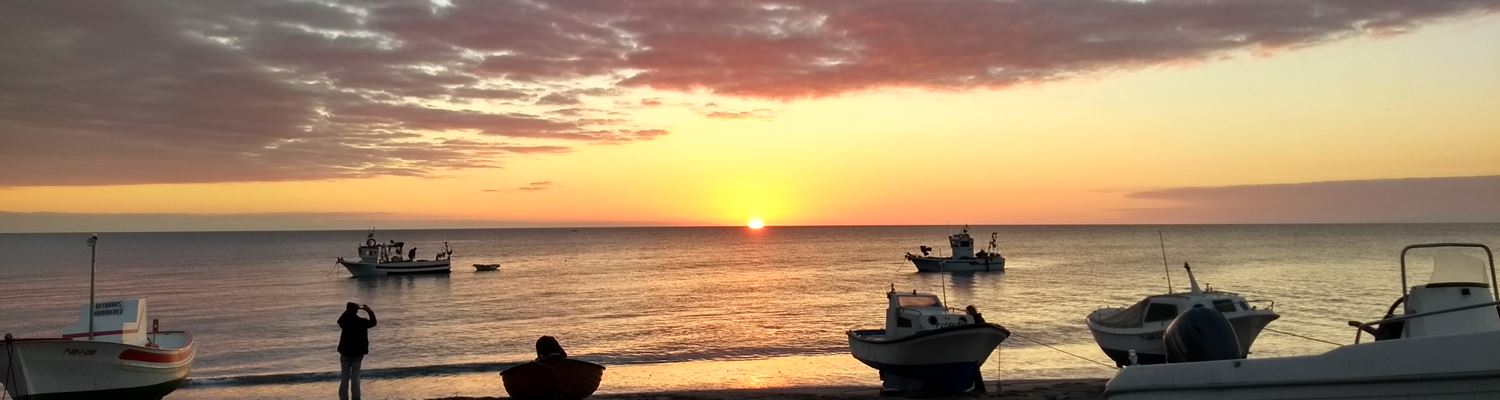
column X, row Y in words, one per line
column 354, row 343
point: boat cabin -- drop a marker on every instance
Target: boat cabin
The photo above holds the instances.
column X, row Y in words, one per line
column 913, row 312
column 1458, row 280
column 1164, row 308
column 963, row 245
column 117, row 321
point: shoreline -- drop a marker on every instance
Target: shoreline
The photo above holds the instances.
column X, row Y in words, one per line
column 1028, row 389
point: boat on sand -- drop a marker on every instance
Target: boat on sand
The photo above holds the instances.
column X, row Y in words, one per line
column 926, row 347
column 1138, row 328
column 108, row 354
column 1442, row 345
column 552, row 379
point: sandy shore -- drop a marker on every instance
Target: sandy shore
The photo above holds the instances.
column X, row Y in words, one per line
column 1064, row 389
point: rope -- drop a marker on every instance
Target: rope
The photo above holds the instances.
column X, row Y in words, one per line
column 1064, row 351
column 1304, row 337
column 10, row 369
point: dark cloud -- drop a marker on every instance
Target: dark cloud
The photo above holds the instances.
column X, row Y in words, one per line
column 120, row 92
column 1448, row 199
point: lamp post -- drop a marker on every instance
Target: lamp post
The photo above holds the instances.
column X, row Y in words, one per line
column 92, row 252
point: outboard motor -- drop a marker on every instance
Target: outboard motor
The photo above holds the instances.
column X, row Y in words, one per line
column 1201, row 334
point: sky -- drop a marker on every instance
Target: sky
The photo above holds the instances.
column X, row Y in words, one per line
column 229, row 115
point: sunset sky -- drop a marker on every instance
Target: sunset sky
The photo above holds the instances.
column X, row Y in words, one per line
column 145, row 115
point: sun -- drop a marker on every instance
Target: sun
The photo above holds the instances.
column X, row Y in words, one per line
column 756, row 223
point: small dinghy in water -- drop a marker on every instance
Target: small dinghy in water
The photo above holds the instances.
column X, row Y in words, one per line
column 486, row 267
column 553, row 376
column 1443, row 346
column 926, row 347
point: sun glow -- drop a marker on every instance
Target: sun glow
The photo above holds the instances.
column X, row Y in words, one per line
column 756, row 223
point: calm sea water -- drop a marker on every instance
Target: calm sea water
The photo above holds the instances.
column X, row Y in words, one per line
column 676, row 308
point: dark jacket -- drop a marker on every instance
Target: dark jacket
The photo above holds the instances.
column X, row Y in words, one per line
column 355, row 338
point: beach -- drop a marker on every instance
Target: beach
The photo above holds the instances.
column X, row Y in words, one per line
column 1037, row 389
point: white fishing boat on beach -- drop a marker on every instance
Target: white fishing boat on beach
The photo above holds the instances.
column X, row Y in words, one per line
column 963, row 258
column 381, row 259
column 925, row 346
column 109, row 354
column 1444, row 345
column 1138, row 328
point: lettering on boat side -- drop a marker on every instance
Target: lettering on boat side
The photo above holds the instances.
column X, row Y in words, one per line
column 109, row 308
column 80, row 352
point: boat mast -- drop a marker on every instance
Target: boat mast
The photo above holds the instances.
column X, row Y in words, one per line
column 1164, row 268
column 92, row 251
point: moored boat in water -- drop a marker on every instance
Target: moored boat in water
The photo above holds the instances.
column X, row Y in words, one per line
column 1442, row 346
column 925, row 346
column 1138, row 328
column 381, row 259
column 486, row 267
column 963, row 258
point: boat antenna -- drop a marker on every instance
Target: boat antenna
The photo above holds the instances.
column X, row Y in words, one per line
column 943, row 282
column 1164, row 267
column 92, row 251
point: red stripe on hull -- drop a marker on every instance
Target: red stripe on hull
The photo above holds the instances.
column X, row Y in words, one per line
column 146, row 356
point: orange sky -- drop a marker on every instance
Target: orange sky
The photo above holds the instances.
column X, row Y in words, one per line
column 1078, row 146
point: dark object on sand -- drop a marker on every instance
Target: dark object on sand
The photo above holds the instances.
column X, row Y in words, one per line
column 552, row 378
column 1201, row 334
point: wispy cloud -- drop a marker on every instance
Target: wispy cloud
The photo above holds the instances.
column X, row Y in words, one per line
column 536, row 186
column 1446, row 199
column 128, row 92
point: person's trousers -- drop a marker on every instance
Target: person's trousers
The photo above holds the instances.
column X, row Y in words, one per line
column 349, row 376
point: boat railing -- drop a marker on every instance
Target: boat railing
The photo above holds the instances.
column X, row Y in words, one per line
column 1364, row 327
column 1270, row 304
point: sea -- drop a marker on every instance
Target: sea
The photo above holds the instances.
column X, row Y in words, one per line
column 685, row 308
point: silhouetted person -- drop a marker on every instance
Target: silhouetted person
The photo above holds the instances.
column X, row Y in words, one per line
column 978, row 377
column 974, row 313
column 548, row 347
column 354, row 343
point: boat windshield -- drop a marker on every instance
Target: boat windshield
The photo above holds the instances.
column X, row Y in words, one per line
column 918, row 301
column 1452, row 268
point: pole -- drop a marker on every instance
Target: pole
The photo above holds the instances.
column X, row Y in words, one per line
column 1164, row 268
column 93, row 251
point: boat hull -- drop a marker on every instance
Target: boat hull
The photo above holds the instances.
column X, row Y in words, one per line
column 80, row 369
column 360, row 270
column 1392, row 369
column 944, row 360
column 1147, row 343
column 552, row 379
column 945, row 264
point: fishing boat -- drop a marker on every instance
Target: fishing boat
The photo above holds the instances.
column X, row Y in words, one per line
column 963, row 258
column 108, row 354
column 1442, row 345
column 381, row 259
column 1138, row 328
column 552, row 379
column 486, row 267
column 926, row 346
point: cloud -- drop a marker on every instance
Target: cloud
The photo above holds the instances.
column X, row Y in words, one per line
column 536, row 186
column 1446, row 199
column 127, row 92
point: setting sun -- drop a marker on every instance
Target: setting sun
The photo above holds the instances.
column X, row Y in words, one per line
column 756, row 223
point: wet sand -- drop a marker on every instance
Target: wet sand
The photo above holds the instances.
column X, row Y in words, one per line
column 1050, row 389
